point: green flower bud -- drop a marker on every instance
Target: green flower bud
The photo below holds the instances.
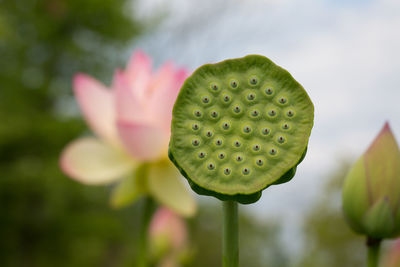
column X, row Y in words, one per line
column 371, row 192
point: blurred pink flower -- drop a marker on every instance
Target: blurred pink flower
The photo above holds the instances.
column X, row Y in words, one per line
column 392, row 257
column 132, row 123
column 168, row 237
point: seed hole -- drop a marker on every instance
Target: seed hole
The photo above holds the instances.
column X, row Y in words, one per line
column 227, row 98
column 272, row 112
column 234, row 84
column 237, row 143
column 285, row 126
column 265, row 131
column 227, row 171
column 272, row 151
column 214, row 114
column 253, row 80
column 269, row 91
column 209, row 133
column 246, row 129
column 246, row 171
column 239, row 158
column 236, row 109
column 226, row 125
column 251, row 96
column 254, row 113
column 221, row 155
column 195, row 142
column 214, row 87
column 197, row 113
column 282, row 100
column 211, row 166
column 195, row 127
column 281, row 139
column 256, row 147
column 202, row 155
column 290, row 113
column 206, row 99
column 259, row 162
column 218, row 142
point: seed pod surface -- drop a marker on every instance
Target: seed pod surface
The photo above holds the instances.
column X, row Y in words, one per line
column 253, row 129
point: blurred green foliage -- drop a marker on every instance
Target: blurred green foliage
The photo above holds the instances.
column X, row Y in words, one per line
column 329, row 241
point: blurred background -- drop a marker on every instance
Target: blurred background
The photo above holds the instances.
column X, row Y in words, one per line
column 345, row 53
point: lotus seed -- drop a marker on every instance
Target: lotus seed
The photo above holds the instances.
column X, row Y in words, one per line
column 272, row 113
column 209, row 133
column 281, row 139
column 272, row 151
column 282, row 100
column 239, row 158
column 214, row 87
column 247, row 129
column 218, row 142
column 234, row 84
column 246, row 171
column 227, row 171
column 256, row 147
column 253, row 80
column 211, row 166
column 197, row 113
column 236, row 109
column 259, row 162
column 285, row 126
column 269, row 91
column 214, row 114
column 254, row 113
column 237, row 143
column 251, row 96
column 227, row 98
column 290, row 113
column 265, row 131
column 225, row 125
column 202, row 155
column 195, row 127
column 195, row 142
column 206, row 99
column 221, row 155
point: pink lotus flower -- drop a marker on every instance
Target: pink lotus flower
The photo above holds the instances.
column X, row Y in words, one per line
column 132, row 123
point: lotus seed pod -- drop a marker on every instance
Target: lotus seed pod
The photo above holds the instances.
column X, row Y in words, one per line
column 371, row 192
column 238, row 127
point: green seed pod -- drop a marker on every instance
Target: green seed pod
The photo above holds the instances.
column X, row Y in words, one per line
column 258, row 138
column 371, row 192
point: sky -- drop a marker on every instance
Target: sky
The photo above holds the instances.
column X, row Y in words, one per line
column 344, row 53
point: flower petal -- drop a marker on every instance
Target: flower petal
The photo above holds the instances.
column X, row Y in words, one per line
column 144, row 142
column 97, row 105
column 138, row 74
column 165, row 88
column 128, row 106
column 166, row 185
column 90, row 161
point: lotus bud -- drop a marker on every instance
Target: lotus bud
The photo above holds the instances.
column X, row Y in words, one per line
column 371, row 192
column 168, row 235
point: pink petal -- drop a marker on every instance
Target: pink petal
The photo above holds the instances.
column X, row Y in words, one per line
column 90, row 161
column 128, row 106
column 143, row 141
column 96, row 104
column 138, row 74
column 165, row 88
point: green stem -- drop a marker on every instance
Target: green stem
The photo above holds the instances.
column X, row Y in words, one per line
column 147, row 211
column 373, row 246
column 230, row 240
